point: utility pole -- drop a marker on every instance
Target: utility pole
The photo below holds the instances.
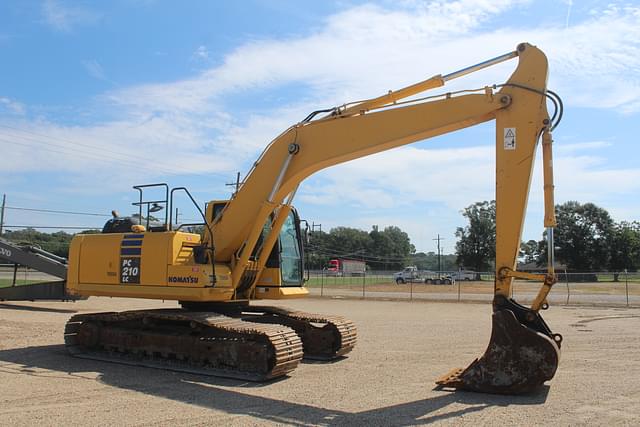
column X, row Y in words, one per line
column 235, row 184
column 4, row 200
column 314, row 225
column 439, row 263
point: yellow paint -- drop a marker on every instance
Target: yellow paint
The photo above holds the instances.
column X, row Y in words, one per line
column 280, row 292
column 167, row 268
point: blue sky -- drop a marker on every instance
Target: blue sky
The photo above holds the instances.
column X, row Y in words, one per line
column 98, row 96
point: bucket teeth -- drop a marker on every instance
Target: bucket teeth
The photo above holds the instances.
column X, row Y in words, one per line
column 518, row 360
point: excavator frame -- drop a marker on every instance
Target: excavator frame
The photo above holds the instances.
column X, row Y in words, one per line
column 230, row 262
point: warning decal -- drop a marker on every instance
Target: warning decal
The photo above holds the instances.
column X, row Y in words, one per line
column 509, row 138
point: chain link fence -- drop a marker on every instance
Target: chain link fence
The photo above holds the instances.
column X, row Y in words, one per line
column 596, row 288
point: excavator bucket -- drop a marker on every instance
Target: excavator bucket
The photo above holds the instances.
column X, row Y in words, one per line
column 522, row 355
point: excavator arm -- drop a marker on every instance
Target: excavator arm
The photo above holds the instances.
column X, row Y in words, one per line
column 523, row 353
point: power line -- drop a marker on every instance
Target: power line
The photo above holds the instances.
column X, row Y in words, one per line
column 54, row 211
column 100, row 155
column 92, row 156
column 91, row 147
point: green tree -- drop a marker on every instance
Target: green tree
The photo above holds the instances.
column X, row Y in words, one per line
column 429, row 261
column 530, row 252
column 476, row 245
column 387, row 249
column 57, row 243
column 582, row 236
column 624, row 247
column 317, row 250
column 396, row 248
column 349, row 242
column 380, row 248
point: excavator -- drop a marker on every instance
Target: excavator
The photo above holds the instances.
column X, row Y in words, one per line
column 252, row 245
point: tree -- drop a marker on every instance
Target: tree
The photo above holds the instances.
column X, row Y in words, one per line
column 57, row 243
column 394, row 250
column 624, row 247
column 349, row 242
column 582, row 236
column 476, row 247
column 317, row 250
column 530, row 252
column 380, row 247
column 429, row 261
column 389, row 248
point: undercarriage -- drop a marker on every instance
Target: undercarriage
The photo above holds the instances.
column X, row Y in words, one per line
column 249, row 343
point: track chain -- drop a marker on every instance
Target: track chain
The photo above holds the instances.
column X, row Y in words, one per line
column 195, row 342
column 324, row 337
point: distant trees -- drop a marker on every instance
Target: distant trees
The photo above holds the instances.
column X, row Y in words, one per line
column 387, row 249
column 476, row 245
column 530, row 251
column 56, row 243
column 429, row 261
column 624, row 247
column 586, row 239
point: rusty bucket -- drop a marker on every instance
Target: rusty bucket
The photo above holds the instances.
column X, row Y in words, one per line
column 522, row 354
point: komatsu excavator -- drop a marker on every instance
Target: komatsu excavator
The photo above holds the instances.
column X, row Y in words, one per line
column 252, row 246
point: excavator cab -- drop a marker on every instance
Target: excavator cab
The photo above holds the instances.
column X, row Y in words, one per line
column 284, row 268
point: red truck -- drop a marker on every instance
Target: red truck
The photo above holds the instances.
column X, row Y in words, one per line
column 346, row 267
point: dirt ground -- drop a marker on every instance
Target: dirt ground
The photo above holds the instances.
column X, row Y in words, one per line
column 386, row 380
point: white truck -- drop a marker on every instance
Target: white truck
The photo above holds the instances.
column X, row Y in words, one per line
column 411, row 274
column 466, row 275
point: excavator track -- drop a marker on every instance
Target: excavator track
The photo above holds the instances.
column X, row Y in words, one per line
column 323, row 337
column 194, row 342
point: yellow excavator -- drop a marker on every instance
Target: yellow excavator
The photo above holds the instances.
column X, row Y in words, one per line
column 252, row 245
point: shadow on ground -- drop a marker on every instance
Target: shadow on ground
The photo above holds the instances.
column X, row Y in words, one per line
column 207, row 392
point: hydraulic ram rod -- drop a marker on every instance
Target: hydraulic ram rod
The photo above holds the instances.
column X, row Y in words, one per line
column 433, row 82
column 480, row 66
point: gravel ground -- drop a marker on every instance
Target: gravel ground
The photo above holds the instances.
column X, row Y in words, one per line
column 386, row 380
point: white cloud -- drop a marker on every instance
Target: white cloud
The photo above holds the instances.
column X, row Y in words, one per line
column 367, row 49
column 94, row 69
column 13, row 106
column 201, row 53
column 63, row 17
column 408, row 176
